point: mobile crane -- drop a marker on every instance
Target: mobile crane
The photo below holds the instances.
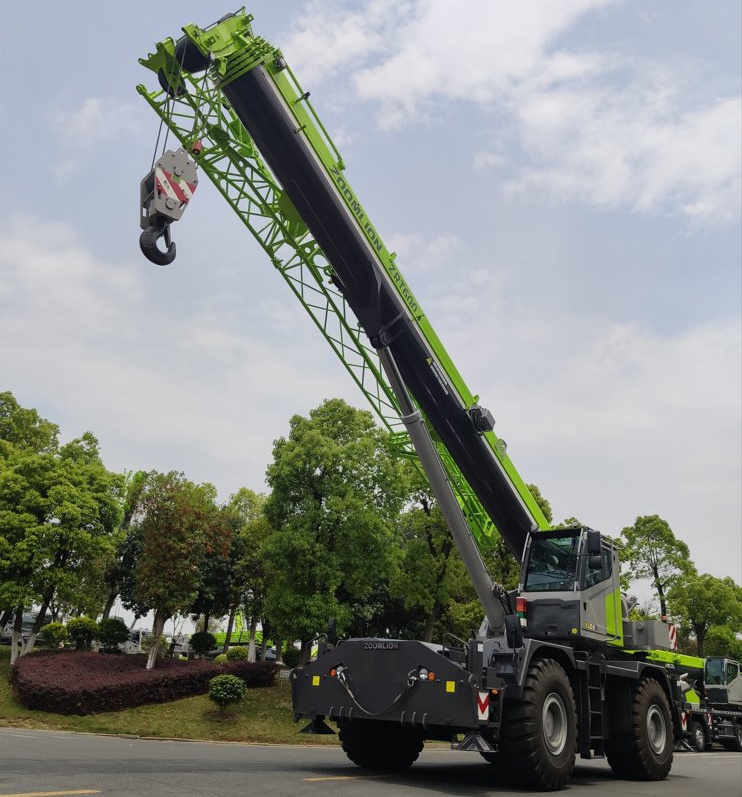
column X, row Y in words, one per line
column 713, row 695
column 557, row 667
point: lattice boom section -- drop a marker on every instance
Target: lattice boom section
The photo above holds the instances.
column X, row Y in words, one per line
column 231, row 161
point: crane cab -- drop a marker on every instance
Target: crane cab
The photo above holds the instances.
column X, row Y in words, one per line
column 570, row 588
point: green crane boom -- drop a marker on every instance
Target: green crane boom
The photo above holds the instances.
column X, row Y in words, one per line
column 193, row 104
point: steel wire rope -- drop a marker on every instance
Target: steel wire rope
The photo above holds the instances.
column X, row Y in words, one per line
column 411, row 682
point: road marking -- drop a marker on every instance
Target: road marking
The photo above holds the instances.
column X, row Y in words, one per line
column 331, row 777
column 50, row 793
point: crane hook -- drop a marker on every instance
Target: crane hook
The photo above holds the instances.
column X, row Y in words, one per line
column 148, row 244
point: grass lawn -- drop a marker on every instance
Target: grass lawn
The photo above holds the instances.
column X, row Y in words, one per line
column 264, row 715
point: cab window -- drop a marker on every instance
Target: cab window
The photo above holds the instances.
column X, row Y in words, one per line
column 732, row 671
column 552, row 564
column 600, row 571
column 714, row 672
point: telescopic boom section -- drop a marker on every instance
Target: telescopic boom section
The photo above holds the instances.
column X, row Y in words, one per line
column 251, row 78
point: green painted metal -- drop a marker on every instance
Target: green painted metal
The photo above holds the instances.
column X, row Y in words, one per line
column 203, row 122
column 613, row 618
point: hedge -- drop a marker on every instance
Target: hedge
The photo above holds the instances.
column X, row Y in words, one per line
column 69, row 682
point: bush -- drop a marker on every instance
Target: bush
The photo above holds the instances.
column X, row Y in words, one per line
column 220, row 659
column 55, row 634
column 112, row 633
column 291, row 657
column 202, row 642
column 68, row 682
column 82, row 632
column 237, row 653
column 255, row 674
column 225, row 690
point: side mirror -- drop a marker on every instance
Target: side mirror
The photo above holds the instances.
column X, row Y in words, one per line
column 595, row 561
column 593, row 543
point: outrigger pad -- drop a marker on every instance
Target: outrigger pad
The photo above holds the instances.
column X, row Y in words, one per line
column 318, row 726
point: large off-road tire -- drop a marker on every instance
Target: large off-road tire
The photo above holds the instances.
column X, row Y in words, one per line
column 538, row 737
column 647, row 754
column 380, row 745
column 736, row 743
column 697, row 736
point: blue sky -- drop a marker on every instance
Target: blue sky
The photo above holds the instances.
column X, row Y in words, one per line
column 561, row 180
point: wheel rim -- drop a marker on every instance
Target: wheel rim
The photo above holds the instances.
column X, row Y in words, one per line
column 700, row 738
column 656, row 729
column 554, row 723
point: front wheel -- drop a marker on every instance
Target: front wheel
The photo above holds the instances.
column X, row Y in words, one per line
column 697, row 736
column 647, row 753
column 539, row 731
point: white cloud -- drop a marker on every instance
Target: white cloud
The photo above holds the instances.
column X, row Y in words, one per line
column 98, row 120
column 613, row 420
column 423, row 254
column 608, row 128
column 161, row 387
column 624, row 148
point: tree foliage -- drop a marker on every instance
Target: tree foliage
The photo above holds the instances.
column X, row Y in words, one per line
column 422, row 579
column 704, row 602
column 59, row 508
column 180, row 524
column 653, row 552
column 336, row 495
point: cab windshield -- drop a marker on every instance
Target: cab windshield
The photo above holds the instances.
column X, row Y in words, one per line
column 552, row 563
column 715, row 672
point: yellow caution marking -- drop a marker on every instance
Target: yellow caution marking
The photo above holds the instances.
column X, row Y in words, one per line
column 450, row 686
column 315, row 682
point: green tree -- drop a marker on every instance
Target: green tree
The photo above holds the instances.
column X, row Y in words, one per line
column 58, row 512
column 118, row 579
column 705, row 602
column 422, row 579
column 337, row 492
column 721, row 640
column 180, row 522
column 246, row 587
column 652, row 551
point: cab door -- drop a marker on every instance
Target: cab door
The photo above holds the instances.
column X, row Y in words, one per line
column 600, row 598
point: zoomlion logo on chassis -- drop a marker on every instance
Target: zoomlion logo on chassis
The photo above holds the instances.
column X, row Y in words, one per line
column 381, row 646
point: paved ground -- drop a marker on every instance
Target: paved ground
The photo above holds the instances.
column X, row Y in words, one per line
column 46, row 763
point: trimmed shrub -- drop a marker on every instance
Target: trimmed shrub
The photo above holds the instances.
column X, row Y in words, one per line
column 291, row 657
column 68, row 682
column 220, row 659
column 82, row 632
column 55, row 634
column 255, row 674
column 224, row 690
column 112, row 632
column 237, row 653
column 202, row 642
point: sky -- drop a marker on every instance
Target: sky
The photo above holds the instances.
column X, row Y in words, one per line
column 560, row 180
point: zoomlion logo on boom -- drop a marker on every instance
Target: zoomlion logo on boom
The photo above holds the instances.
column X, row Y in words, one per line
column 374, row 240
column 381, row 646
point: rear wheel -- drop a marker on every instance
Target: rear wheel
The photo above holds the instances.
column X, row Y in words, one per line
column 647, row 753
column 736, row 743
column 539, row 731
column 380, row 745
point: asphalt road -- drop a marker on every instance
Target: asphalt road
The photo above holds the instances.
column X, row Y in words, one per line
column 53, row 764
